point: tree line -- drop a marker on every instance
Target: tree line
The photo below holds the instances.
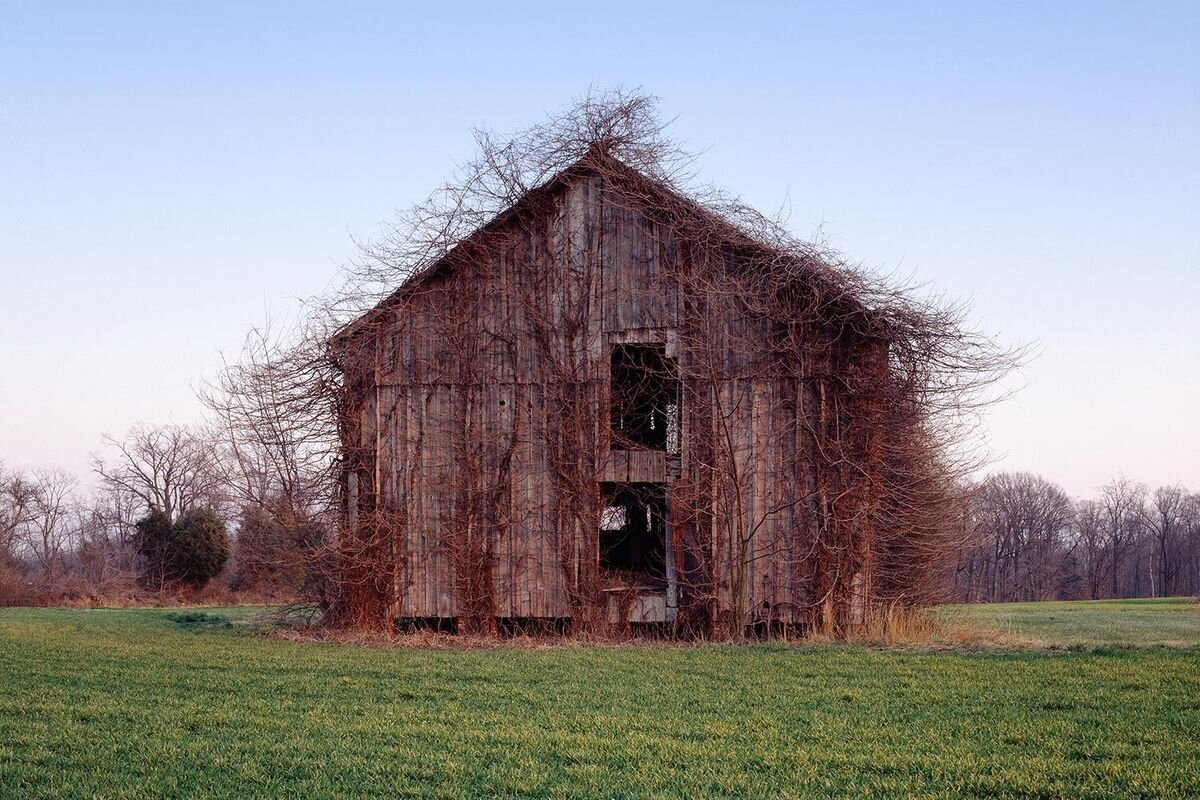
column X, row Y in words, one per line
column 1025, row 538
column 162, row 518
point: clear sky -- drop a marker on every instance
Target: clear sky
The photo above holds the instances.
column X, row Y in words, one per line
column 172, row 172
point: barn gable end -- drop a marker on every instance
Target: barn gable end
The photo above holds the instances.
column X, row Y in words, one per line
column 495, row 462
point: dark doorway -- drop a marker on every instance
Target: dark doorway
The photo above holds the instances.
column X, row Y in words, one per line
column 633, row 528
column 645, row 398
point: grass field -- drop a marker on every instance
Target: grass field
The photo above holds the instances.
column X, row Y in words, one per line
column 1171, row 621
column 149, row 703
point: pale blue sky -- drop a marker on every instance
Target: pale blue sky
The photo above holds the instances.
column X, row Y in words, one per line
column 168, row 172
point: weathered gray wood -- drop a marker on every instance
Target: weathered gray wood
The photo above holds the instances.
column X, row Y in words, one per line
column 463, row 354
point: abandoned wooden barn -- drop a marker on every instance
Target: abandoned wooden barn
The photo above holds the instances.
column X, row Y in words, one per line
column 610, row 407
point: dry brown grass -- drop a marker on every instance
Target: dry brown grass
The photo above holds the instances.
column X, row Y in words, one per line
column 906, row 626
column 434, row 640
column 897, row 627
column 418, row 640
column 133, row 597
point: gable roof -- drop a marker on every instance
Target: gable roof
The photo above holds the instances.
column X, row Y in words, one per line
column 595, row 161
column 556, row 183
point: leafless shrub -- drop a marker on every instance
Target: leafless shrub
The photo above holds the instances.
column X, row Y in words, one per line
column 274, row 411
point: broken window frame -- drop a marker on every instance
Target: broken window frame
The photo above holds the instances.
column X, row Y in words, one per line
column 644, row 398
column 647, row 561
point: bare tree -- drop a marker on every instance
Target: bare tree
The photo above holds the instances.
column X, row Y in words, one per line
column 280, row 441
column 48, row 531
column 16, row 501
column 1163, row 517
column 16, row 496
column 273, row 412
column 1090, row 544
column 1123, row 502
column 1023, row 550
column 1189, row 528
column 172, row 468
column 103, row 548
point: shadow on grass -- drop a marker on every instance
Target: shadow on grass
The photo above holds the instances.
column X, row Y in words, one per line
column 198, row 620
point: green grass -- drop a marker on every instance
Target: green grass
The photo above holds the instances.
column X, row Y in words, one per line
column 1170, row 621
column 159, row 703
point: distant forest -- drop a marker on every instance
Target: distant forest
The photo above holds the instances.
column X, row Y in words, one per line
column 1024, row 538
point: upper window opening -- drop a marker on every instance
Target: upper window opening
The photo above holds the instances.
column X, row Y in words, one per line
column 645, row 398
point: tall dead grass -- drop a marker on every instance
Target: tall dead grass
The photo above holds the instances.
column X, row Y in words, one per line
column 897, row 626
column 907, row 626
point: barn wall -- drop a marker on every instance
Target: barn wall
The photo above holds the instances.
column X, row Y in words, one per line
column 463, row 426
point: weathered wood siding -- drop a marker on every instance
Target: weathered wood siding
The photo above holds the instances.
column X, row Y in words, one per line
column 463, row 383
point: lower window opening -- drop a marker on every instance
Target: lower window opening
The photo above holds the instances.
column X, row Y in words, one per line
column 633, row 534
